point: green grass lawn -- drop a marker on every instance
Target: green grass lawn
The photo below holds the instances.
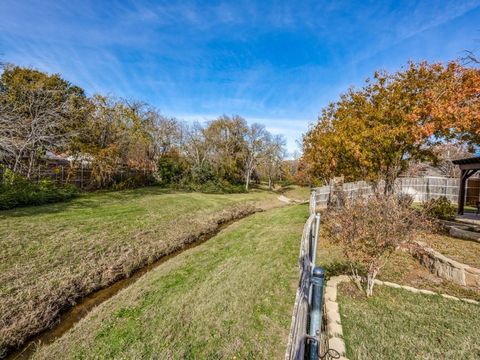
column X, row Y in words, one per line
column 56, row 253
column 295, row 192
column 230, row 297
column 397, row 324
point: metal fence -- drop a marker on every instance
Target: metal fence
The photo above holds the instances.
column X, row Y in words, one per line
column 421, row 189
column 306, row 337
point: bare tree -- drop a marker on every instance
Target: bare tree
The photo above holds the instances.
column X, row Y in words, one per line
column 38, row 113
column 30, row 128
column 447, row 152
column 271, row 162
column 225, row 142
column 256, row 141
column 194, row 145
column 470, row 58
column 166, row 134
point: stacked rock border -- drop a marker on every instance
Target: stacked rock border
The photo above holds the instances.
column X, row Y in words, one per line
column 445, row 267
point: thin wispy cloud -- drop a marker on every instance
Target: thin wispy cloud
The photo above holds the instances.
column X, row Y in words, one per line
column 275, row 62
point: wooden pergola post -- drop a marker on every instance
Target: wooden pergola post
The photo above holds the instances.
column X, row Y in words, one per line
column 461, row 195
column 468, row 167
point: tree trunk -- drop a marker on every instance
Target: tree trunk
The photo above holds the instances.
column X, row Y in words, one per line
column 30, row 164
column 371, row 282
column 247, row 180
column 249, row 173
column 389, row 185
column 356, row 278
column 17, row 161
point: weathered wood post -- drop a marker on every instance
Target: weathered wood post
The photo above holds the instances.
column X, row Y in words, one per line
column 337, row 196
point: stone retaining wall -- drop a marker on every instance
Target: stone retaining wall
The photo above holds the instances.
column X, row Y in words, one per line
column 464, row 234
column 445, row 267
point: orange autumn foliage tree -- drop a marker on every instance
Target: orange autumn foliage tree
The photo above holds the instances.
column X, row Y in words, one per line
column 454, row 104
column 374, row 132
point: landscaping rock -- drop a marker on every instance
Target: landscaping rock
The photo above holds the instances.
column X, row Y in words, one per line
column 333, row 317
column 334, row 329
column 426, row 292
column 445, row 267
column 331, row 293
column 464, row 234
column 332, row 306
column 411, row 289
column 472, row 277
column 470, row 301
column 396, row 286
column 337, row 344
column 450, row 297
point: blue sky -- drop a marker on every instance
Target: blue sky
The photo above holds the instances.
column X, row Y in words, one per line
column 273, row 62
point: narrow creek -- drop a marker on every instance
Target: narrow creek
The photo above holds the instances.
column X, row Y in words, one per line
column 82, row 308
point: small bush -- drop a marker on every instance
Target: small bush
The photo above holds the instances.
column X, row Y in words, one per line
column 170, row 171
column 17, row 191
column 440, row 208
column 370, row 229
column 335, row 269
column 133, row 181
column 211, row 187
column 202, row 179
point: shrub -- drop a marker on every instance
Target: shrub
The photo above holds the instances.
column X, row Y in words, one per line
column 335, row 269
column 16, row 191
column 211, row 187
column 201, row 179
column 170, row 171
column 440, row 208
column 133, row 181
column 370, row 229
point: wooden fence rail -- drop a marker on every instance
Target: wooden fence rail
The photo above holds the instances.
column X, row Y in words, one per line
column 421, row 189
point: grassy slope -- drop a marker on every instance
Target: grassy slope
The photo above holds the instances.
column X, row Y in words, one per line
column 229, row 297
column 54, row 253
column 295, row 192
column 397, row 324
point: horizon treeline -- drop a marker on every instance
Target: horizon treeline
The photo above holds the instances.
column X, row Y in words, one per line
column 42, row 113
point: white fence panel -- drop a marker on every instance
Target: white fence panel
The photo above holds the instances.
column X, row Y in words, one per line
column 421, row 189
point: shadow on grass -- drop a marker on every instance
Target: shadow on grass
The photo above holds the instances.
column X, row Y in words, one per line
column 91, row 200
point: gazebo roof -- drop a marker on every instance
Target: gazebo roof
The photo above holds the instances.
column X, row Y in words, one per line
column 469, row 166
column 470, row 160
